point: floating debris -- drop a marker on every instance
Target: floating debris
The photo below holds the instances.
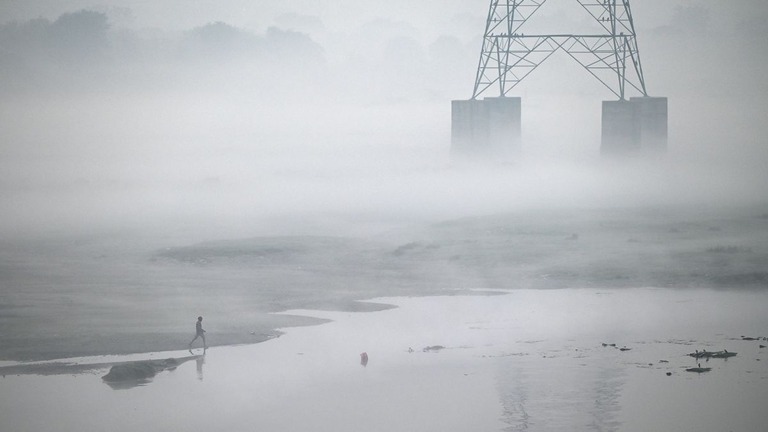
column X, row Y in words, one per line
column 613, row 345
column 711, row 354
column 698, row 369
column 723, row 354
column 434, row 348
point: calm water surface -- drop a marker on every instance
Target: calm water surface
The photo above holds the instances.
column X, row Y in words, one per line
column 527, row 360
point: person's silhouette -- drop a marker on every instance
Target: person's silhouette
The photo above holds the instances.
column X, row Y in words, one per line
column 199, row 332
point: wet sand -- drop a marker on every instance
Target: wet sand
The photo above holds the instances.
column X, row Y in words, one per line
column 122, row 291
column 528, row 360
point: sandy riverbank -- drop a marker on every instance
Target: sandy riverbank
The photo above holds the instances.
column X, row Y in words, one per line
column 126, row 291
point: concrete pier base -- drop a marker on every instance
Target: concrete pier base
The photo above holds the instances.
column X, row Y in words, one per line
column 487, row 129
column 651, row 119
column 636, row 126
column 618, row 128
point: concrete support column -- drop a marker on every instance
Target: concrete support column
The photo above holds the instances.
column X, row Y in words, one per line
column 467, row 126
column 651, row 123
column 618, row 128
column 504, row 126
column 486, row 129
column 636, row 126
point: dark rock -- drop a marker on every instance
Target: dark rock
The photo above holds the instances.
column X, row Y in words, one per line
column 698, row 369
column 135, row 371
column 130, row 374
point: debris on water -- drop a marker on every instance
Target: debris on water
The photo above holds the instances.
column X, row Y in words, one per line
column 364, row 359
column 669, row 373
column 624, row 348
column 434, row 348
column 663, row 361
column 711, row 354
column 698, row 369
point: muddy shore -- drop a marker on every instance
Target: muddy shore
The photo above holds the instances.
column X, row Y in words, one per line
column 119, row 292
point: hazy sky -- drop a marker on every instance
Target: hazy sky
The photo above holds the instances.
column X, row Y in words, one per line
column 345, row 14
column 342, row 100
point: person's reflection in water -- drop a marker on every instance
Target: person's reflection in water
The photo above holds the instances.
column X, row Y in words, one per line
column 200, row 360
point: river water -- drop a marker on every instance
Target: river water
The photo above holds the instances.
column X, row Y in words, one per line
column 524, row 360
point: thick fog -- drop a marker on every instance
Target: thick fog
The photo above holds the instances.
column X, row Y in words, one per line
column 127, row 113
column 254, row 161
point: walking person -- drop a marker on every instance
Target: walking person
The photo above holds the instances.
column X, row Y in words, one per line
column 199, row 333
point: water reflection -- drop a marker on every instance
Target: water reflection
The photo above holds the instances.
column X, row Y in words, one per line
column 550, row 393
column 128, row 384
column 607, row 392
column 513, row 390
column 200, row 360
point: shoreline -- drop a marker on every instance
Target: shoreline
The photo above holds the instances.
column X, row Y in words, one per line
column 58, row 365
column 62, row 367
column 135, row 291
column 88, row 363
column 91, row 363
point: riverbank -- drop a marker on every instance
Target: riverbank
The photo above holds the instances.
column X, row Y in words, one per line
column 119, row 292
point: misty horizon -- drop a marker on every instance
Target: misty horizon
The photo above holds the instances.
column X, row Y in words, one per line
column 104, row 109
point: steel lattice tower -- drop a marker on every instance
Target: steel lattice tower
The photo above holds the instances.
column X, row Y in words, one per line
column 508, row 55
column 490, row 128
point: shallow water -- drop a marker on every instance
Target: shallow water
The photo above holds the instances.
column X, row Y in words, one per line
column 528, row 360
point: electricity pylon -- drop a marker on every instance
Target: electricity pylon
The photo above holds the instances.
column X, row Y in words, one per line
column 509, row 55
column 490, row 128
